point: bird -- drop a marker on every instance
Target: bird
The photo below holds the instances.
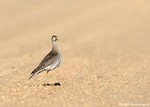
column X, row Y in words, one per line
column 51, row 61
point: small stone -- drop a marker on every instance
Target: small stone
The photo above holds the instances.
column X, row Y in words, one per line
column 40, row 85
column 57, row 84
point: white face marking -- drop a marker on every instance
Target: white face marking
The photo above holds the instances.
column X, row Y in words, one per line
column 54, row 38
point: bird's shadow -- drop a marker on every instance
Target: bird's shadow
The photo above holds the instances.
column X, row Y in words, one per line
column 50, row 84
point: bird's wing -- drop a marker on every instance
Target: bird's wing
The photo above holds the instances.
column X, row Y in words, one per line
column 47, row 60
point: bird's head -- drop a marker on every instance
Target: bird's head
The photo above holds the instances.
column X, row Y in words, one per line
column 54, row 38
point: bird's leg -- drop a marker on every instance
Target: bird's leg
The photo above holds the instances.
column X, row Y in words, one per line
column 47, row 72
column 46, row 75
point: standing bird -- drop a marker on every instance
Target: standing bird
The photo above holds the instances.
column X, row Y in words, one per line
column 50, row 61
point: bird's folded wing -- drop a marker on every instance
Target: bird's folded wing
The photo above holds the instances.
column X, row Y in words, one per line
column 47, row 60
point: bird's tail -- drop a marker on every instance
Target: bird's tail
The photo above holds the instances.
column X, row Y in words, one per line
column 34, row 73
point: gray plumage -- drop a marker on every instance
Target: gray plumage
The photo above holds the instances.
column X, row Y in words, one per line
column 50, row 61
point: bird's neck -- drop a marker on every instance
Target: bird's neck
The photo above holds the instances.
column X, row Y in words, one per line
column 54, row 47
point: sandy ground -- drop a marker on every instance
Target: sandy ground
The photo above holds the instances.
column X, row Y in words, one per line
column 104, row 45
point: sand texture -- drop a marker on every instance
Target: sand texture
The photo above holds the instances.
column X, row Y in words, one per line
column 105, row 47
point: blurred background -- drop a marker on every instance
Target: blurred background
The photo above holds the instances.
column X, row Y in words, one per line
column 105, row 24
column 104, row 46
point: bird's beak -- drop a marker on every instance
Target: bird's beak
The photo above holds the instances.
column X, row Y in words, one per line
column 56, row 39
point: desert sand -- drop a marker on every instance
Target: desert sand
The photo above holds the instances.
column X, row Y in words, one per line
column 105, row 47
